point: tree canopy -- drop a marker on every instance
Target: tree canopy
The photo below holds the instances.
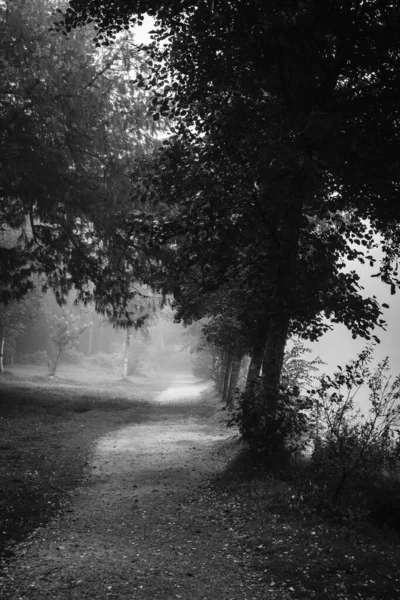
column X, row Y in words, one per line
column 73, row 123
column 283, row 163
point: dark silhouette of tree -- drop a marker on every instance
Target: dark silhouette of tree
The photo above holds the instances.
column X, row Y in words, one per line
column 72, row 124
column 286, row 122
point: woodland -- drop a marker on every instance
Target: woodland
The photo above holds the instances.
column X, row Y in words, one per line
column 226, row 178
column 236, row 168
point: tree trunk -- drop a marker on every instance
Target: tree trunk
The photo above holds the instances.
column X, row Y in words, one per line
column 126, row 351
column 233, row 381
column 216, row 358
column 221, row 371
column 254, row 371
column 283, row 296
column 273, row 361
column 227, row 376
column 100, row 338
column 53, row 366
column 2, row 344
column 90, row 341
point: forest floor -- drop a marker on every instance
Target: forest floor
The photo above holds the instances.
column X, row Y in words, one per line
column 133, row 489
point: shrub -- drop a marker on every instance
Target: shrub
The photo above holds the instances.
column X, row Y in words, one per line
column 287, row 433
column 202, row 364
column 109, row 362
column 72, row 356
column 354, row 454
column 36, row 358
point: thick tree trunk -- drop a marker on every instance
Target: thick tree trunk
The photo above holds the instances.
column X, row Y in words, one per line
column 126, row 351
column 233, row 381
column 254, row 371
column 283, row 266
column 273, row 361
column 227, row 376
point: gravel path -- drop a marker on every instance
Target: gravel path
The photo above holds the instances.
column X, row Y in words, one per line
column 145, row 525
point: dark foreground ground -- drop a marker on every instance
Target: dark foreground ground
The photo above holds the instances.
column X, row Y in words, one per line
column 135, row 489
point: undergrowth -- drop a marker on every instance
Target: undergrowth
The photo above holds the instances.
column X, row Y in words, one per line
column 293, row 542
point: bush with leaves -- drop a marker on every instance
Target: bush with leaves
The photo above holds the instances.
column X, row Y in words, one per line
column 285, row 434
column 353, row 452
column 290, row 429
column 34, row 358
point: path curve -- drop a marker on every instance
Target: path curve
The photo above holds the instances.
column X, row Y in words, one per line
column 141, row 527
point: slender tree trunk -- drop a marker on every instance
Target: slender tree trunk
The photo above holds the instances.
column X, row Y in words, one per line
column 215, row 365
column 162, row 345
column 2, row 344
column 227, row 376
column 90, row 342
column 2, row 339
column 100, row 338
column 53, row 366
column 233, row 381
column 221, row 370
column 126, row 351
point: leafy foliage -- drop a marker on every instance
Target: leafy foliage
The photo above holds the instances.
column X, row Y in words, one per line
column 288, row 431
column 282, row 168
column 351, row 449
column 73, row 122
column 65, row 330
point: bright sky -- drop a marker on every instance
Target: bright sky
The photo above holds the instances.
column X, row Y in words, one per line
column 338, row 347
column 141, row 32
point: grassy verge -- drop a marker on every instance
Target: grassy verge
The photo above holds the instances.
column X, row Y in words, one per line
column 289, row 544
column 47, row 431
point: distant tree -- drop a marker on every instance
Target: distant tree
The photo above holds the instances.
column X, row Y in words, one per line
column 65, row 330
column 17, row 317
column 140, row 313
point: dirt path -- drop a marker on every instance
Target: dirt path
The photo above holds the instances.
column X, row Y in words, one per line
column 144, row 525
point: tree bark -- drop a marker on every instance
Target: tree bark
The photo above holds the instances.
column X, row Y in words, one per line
column 233, row 380
column 273, row 361
column 221, row 371
column 283, row 295
column 2, row 344
column 254, row 371
column 227, row 376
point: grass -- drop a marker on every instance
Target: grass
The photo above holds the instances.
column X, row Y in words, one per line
column 47, row 432
column 312, row 555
